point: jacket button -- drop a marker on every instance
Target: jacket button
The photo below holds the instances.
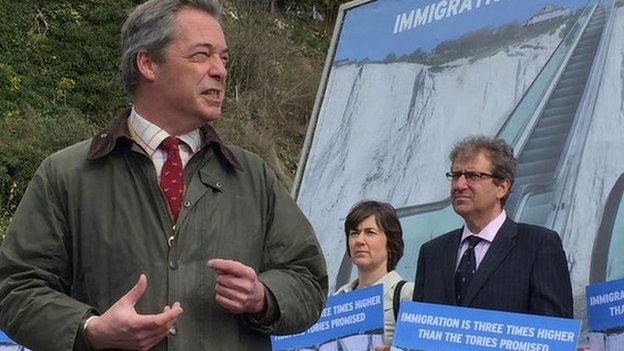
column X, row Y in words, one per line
column 103, row 135
column 173, row 265
column 218, row 184
column 187, row 203
column 173, row 331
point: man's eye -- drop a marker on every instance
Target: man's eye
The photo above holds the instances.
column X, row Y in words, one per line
column 199, row 55
column 473, row 175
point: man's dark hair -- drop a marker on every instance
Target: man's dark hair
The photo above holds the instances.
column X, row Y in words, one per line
column 498, row 152
column 387, row 220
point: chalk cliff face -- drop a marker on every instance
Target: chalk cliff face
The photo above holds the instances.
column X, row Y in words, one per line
column 385, row 130
column 600, row 167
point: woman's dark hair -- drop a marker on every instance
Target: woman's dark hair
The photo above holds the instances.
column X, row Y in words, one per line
column 387, row 220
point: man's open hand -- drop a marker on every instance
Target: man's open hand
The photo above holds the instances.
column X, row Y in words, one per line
column 121, row 327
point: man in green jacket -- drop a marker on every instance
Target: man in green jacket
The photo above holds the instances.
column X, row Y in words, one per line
column 154, row 234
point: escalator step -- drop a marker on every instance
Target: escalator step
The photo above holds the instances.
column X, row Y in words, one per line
column 541, row 131
column 551, row 118
column 549, row 151
column 567, row 100
column 529, row 167
column 536, row 143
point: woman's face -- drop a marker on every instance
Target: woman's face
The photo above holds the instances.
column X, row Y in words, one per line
column 368, row 246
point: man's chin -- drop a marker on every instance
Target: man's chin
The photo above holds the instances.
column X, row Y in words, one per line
column 211, row 114
column 460, row 207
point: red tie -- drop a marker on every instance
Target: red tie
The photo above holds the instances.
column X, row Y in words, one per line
column 171, row 178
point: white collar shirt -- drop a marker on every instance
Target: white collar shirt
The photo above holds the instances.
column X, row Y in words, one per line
column 149, row 136
column 487, row 235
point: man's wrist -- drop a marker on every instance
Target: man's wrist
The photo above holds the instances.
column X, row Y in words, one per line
column 261, row 306
column 88, row 331
column 87, row 322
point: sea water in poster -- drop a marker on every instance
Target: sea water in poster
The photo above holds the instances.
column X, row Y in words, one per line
column 409, row 78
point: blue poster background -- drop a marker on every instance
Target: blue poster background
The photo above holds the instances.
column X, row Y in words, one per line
column 356, row 312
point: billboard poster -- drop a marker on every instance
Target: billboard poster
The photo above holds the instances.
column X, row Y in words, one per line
column 406, row 79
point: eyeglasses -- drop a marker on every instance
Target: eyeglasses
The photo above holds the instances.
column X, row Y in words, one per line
column 471, row 176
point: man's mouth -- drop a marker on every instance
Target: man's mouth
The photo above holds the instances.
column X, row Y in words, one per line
column 213, row 93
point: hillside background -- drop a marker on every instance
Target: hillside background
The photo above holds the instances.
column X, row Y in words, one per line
column 60, row 81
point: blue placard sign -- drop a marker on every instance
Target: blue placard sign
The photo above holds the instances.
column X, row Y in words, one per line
column 352, row 313
column 424, row 326
column 605, row 305
column 4, row 338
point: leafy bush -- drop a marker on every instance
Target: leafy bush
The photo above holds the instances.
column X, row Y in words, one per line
column 60, row 82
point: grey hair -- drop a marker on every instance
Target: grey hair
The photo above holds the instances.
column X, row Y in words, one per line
column 497, row 150
column 151, row 27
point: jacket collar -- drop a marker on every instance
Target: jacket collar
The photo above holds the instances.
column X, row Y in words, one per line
column 504, row 241
column 117, row 130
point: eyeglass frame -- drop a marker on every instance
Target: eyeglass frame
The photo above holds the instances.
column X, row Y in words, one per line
column 470, row 176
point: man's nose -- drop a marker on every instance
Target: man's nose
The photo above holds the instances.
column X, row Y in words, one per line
column 218, row 70
column 461, row 182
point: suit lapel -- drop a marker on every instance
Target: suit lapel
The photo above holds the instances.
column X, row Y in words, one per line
column 504, row 241
column 450, row 261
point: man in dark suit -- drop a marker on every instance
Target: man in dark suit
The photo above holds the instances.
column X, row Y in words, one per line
column 492, row 262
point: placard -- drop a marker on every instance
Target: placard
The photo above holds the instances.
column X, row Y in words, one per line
column 605, row 305
column 6, row 344
column 423, row 326
column 605, row 315
column 349, row 319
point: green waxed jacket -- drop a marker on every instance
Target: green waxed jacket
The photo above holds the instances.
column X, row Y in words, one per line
column 93, row 219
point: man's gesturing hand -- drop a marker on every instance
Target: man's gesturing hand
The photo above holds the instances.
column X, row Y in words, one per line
column 121, row 327
column 238, row 289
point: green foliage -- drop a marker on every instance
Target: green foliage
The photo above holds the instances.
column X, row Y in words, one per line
column 26, row 138
column 60, row 81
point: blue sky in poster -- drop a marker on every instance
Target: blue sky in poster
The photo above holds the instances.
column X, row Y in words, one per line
column 368, row 30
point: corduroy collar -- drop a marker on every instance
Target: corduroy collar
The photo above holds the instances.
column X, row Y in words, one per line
column 106, row 140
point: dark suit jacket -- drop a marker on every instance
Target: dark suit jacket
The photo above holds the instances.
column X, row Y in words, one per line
column 524, row 270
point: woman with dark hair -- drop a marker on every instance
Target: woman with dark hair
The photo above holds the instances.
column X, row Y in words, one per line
column 375, row 244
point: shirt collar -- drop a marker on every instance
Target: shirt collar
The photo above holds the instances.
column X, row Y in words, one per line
column 118, row 132
column 489, row 231
column 149, row 136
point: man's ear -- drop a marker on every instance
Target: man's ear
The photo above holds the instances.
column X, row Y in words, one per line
column 502, row 188
column 146, row 66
